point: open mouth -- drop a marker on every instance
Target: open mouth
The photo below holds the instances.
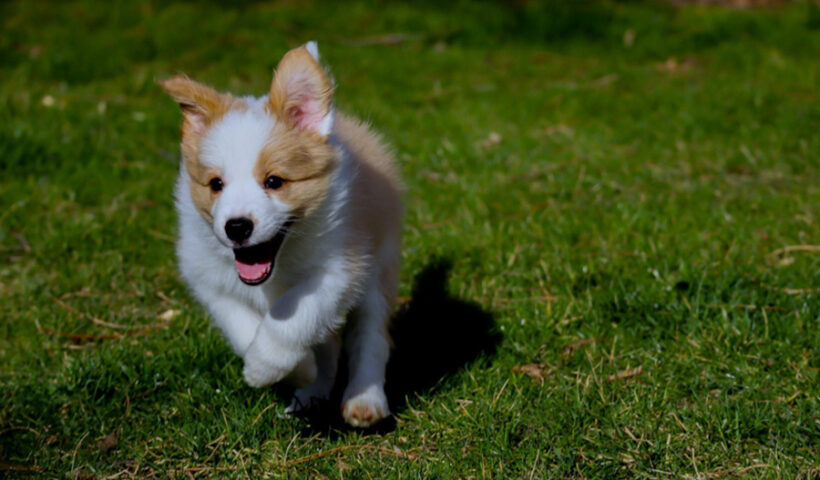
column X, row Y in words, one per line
column 255, row 264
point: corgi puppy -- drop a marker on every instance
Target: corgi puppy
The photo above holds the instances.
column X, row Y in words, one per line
column 289, row 232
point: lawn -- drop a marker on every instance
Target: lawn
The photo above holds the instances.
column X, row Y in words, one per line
column 611, row 252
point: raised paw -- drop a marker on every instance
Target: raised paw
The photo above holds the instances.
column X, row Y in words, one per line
column 366, row 408
column 263, row 368
column 259, row 374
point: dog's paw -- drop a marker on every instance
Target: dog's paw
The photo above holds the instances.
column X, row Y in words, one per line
column 366, row 407
column 260, row 374
column 261, row 371
column 300, row 405
column 307, row 399
column 314, row 396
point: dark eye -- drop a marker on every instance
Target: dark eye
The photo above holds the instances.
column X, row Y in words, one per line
column 273, row 182
column 216, row 184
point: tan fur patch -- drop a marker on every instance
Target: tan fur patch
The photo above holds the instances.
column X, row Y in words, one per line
column 304, row 162
column 297, row 77
column 201, row 106
column 376, row 196
column 201, row 193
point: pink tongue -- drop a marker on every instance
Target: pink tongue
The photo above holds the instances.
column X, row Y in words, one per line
column 252, row 271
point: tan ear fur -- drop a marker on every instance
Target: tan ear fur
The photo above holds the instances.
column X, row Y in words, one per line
column 201, row 105
column 301, row 94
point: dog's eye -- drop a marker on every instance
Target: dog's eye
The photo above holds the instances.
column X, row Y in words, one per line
column 273, row 182
column 216, row 184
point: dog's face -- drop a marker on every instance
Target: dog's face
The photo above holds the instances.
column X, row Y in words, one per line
column 258, row 166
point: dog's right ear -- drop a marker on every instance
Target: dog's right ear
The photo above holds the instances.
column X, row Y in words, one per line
column 200, row 104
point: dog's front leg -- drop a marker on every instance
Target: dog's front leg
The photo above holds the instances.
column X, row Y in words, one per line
column 235, row 319
column 302, row 317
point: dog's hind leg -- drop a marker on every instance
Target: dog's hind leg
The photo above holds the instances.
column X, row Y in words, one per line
column 368, row 346
column 327, row 361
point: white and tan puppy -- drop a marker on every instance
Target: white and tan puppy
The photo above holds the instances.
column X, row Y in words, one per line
column 289, row 232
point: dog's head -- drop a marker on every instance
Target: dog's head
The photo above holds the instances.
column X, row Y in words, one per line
column 258, row 165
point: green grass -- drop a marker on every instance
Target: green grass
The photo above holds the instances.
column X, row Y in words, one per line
column 604, row 205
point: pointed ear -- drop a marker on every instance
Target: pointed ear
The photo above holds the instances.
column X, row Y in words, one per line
column 301, row 94
column 200, row 104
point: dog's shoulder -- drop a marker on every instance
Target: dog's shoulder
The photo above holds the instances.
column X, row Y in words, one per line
column 376, row 191
column 367, row 148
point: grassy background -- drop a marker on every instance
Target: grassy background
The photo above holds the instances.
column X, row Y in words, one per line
column 608, row 182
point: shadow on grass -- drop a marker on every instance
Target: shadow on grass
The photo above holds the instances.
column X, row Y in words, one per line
column 434, row 334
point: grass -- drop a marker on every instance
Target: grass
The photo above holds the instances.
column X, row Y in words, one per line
column 598, row 199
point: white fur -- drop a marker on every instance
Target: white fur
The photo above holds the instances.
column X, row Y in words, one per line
column 287, row 327
column 323, row 125
column 313, row 48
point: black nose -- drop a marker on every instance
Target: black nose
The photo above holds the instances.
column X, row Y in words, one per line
column 239, row 229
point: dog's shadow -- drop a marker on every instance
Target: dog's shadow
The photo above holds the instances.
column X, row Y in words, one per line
column 434, row 335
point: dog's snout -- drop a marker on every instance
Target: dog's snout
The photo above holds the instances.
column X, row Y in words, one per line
column 239, row 229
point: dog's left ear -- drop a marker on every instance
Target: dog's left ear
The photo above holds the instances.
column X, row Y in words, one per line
column 301, row 93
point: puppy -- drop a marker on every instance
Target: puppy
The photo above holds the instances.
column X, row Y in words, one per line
column 289, row 232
